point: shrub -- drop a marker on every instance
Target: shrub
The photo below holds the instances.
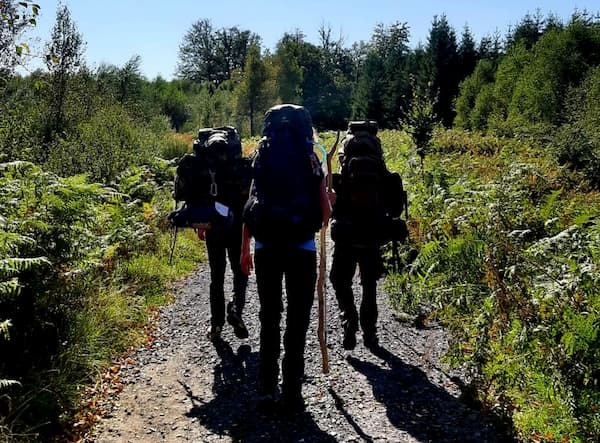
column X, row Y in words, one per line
column 508, row 261
column 103, row 147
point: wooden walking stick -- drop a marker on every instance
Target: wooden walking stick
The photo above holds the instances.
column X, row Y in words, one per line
column 322, row 327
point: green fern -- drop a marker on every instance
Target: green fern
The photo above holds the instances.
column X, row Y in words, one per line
column 7, row 384
column 4, row 326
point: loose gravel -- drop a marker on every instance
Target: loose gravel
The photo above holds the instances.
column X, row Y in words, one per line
column 185, row 388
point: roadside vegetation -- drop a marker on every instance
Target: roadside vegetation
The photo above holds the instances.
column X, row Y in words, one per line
column 498, row 143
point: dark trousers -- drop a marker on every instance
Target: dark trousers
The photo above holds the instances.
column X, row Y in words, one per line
column 369, row 260
column 299, row 267
column 220, row 246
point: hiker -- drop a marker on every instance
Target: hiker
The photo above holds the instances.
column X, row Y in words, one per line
column 288, row 204
column 215, row 187
column 367, row 205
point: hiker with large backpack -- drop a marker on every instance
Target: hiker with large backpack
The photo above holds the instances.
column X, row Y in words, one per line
column 288, row 204
column 214, row 182
column 367, row 211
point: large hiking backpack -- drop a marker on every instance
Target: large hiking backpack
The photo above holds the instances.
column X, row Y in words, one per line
column 284, row 203
column 370, row 199
column 213, row 177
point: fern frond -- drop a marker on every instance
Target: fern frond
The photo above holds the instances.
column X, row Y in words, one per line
column 16, row 264
column 4, row 325
column 10, row 288
column 10, row 242
column 8, row 383
column 17, row 166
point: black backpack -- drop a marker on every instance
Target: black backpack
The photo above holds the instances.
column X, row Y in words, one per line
column 214, row 172
column 370, row 199
column 284, row 202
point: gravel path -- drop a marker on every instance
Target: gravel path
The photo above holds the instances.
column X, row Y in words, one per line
column 184, row 388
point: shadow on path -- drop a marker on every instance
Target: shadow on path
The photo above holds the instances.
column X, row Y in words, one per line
column 415, row 405
column 232, row 411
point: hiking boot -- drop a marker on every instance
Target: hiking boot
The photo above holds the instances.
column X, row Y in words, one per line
column 239, row 328
column 371, row 341
column 214, row 332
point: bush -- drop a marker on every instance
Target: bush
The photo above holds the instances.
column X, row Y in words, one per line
column 103, row 147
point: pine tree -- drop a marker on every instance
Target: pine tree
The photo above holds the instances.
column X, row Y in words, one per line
column 443, row 52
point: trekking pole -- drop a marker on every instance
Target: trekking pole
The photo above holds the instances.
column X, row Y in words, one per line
column 395, row 257
column 173, row 246
column 322, row 326
column 174, row 240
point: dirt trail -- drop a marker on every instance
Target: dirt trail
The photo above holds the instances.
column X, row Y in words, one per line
column 184, row 388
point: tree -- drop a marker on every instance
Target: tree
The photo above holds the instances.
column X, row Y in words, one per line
column 334, row 86
column 443, row 51
column 251, row 96
column 470, row 89
column 560, row 60
column 289, row 71
column 130, row 80
column 421, row 120
column 528, row 31
column 209, row 55
column 490, row 47
column 15, row 19
column 391, row 44
column 467, row 53
column 63, row 59
column 383, row 88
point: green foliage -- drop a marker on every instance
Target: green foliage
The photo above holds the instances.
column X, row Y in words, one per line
column 576, row 143
column 383, row 79
column 64, row 57
column 252, row 95
column 442, row 49
column 211, row 55
column 508, row 261
column 532, row 79
column 104, row 264
column 15, row 19
column 103, row 147
column 472, row 95
column 421, row 120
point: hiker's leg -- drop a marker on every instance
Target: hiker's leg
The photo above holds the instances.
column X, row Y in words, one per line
column 240, row 280
column 300, row 279
column 215, row 247
column 371, row 266
column 269, row 275
column 343, row 268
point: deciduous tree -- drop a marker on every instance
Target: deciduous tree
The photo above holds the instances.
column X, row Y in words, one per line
column 251, row 94
column 64, row 57
column 211, row 55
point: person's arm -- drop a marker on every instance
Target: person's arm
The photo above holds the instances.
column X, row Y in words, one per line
column 246, row 256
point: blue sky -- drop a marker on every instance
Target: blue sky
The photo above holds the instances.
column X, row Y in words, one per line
column 116, row 30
